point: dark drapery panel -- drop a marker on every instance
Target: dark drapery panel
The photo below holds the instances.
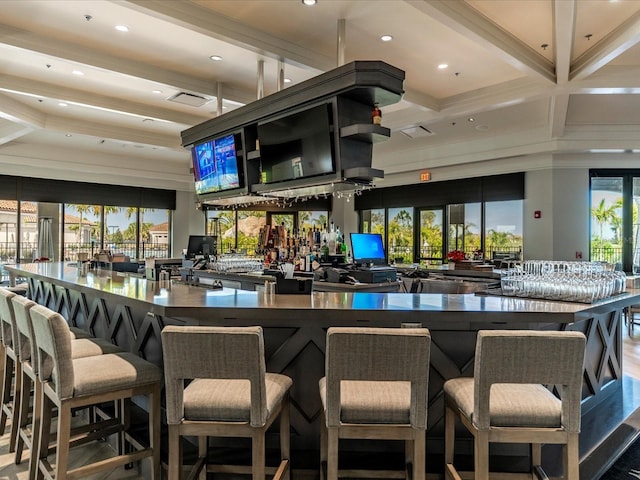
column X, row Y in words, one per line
column 63, row 191
column 465, row 190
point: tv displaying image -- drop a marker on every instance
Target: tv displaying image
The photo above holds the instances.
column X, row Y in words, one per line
column 215, row 165
column 367, row 248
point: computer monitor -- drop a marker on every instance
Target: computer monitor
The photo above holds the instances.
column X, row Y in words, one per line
column 367, row 248
column 201, row 245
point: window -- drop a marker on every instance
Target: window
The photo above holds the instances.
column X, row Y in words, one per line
column 465, row 227
column 606, row 219
column 249, row 224
column 400, row 240
column 503, row 229
column 82, row 230
column 431, row 236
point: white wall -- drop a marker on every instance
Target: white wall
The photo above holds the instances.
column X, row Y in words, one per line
column 571, row 213
column 538, row 232
column 187, row 220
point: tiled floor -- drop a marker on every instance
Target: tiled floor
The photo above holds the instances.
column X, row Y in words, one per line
column 80, row 455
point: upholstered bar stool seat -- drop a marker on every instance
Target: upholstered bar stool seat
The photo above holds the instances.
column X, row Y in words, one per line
column 11, row 369
column 376, row 389
column 507, row 400
column 229, row 394
column 26, row 350
column 70, row 383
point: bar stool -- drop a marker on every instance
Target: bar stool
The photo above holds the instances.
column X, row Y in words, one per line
column 11, row 370
column 26, row 353
column 69, row 383
column 506, row 400
column 230, row 394
column 375, row 388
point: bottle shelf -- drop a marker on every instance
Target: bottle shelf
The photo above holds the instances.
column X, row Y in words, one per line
column 253, row 154
column 366, row 132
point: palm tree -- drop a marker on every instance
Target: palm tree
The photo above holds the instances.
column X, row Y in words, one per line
column 81, row 209
column 603, row 214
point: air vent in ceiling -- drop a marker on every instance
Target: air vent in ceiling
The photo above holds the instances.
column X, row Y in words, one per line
column 417, row 132
column 188, row 99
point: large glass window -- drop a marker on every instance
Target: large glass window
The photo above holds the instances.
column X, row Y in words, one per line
column 8, row 225
column 154, row 232
column 131, row 231
column 465, row 227
column 431, row 236
column 400, row 241
column 615, row 238
column 82, row 229
column 606, row 219
column 503, row 229
column 636, row 225
column 249, row 225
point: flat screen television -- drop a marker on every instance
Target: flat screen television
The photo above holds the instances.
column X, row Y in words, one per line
column 299, row 145
column 216, row 166
column 367, row 248
column 201, row 245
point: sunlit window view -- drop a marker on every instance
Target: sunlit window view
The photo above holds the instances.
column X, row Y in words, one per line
column 606, row 219
column 128, row 231
column 503, row 230
column 400, row 249
column 465, row 228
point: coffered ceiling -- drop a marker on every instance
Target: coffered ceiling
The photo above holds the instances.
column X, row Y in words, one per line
column 82, row 100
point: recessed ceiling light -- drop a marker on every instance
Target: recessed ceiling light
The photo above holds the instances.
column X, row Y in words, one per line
column 287, row 80
column 78, row 72
column 157, row 92
column 62, row 104
column 215, row 58
column 442, row 66
column 68, row 135
column 471, row 119
column 122, row 28
column 386, row 38
column 309, row 3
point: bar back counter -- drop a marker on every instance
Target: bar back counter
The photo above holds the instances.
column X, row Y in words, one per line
column 131, row 312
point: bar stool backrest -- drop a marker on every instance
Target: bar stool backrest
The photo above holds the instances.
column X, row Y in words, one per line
column 6, row 315
column 53, row 343
column 532, row 357
column 378, row 354
column 25, row 346
column 213, row 352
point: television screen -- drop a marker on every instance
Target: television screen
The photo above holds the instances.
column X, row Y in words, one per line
column 201, row 245
column 297, row 145
column 367, row 248
column 215, row 164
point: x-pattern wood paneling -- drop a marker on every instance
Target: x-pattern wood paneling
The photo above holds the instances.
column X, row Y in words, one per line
column 299, row 352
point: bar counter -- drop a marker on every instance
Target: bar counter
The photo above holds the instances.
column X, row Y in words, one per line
column 132, row 311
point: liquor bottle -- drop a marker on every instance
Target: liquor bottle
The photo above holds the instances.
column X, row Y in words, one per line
column 376, row 114
column 331, row 242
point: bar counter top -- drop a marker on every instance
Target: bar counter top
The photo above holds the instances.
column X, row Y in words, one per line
column 174, row 299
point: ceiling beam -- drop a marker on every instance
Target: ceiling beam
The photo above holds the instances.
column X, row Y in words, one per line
column 212, row 24
column 80, row 53
column 21, row 113
column 58, row 93
column 9, row 131
column 615, row 43
column 121, row 134
column 558, row 109
column 467, row 21
column 564, row 26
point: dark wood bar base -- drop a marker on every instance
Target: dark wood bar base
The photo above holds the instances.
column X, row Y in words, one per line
column 131, row 312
